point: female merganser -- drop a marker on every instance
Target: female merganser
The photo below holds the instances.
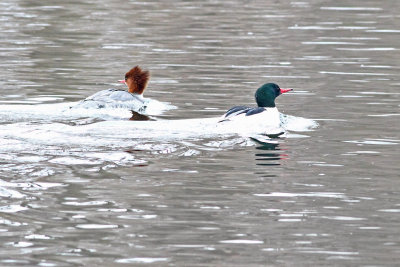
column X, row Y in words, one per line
column 266, row 113
column 136, row 79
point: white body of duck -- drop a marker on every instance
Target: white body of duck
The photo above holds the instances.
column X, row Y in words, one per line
column 264, row 116
column 115, row 98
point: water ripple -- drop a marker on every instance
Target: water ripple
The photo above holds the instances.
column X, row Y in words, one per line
column 141, row 260
column 351, row 8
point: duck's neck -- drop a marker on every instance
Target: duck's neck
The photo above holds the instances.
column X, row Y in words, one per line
column 265, row 100
column 266, row 103
column 131, row 89
column 134, row 92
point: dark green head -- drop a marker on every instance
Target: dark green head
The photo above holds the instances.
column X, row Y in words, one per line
column 266, row 94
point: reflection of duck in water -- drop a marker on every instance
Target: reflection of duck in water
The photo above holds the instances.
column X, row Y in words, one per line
column 266, row 112
column 139, row 117
column 270, row 153
column 136, row 79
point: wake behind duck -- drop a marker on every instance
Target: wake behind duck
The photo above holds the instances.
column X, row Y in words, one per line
column 265, row 118
column 114, row 107
column 263, row 121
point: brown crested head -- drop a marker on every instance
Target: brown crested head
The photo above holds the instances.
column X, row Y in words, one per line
column 137, row 80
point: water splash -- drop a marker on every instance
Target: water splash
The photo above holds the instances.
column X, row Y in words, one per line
column 100, row 138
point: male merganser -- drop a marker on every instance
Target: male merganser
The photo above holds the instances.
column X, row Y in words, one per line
column 266, row 113
column 136, row 79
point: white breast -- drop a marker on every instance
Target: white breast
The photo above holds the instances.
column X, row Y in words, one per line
column 266, row 121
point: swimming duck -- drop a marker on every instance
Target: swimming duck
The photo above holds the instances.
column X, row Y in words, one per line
column 136, row 80
column 265, row 113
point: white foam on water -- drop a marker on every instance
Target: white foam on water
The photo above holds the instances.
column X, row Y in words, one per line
column 96, row 226
column 120, row 133
column 11, row 208
column 9, row 193
column 71, row 110
column 45, row 136
column 297, row 124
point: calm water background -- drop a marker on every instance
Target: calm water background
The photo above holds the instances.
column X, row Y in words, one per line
column 330, row 198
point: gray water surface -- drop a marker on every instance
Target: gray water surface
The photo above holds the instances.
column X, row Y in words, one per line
column 330, row 196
